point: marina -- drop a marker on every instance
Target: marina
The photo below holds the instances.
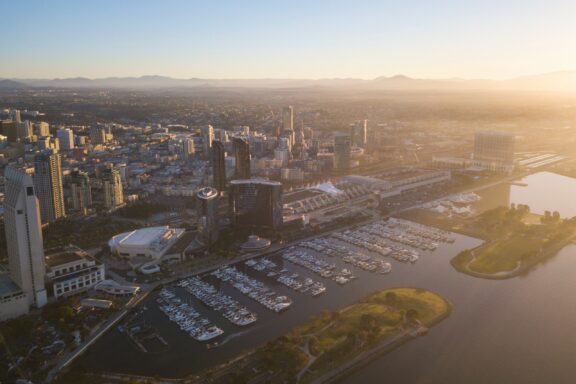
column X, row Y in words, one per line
column 286, row 277
column 254, row 289
column 266, row 287
column 187, row 318
column 216, row 300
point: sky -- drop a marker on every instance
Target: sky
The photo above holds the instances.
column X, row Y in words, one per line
column 286, row 39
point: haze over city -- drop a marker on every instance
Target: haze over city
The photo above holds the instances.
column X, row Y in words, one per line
column 306, row 192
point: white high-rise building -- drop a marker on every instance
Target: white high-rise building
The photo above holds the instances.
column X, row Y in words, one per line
column 24, row 236
column 66, row 138
column 207, row 138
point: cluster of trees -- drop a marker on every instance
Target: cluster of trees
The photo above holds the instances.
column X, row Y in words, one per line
column 550, row 218
column 85, row 234
column 284, row 357
column 141, row 210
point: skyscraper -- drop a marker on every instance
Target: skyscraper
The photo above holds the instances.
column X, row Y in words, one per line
column 98, row 134
column 207, row 210
column 256, row 203
column 112, row 188
column 242, row 155
column 187, row 148
column 342, row 147
column 24, row 236
column 48, row 185
column 288, row 118
column 219, row 165
column 42, row 129
column 207, row 138
column 494, row 150
column 66, row 138
column 359, row 134
column 80, row 191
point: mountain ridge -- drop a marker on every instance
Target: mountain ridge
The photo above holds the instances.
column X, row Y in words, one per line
column 552, row 81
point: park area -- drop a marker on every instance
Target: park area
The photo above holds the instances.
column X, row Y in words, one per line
column 516, row 241
column 334, row 338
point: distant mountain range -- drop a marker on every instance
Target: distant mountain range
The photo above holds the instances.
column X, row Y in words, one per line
column 556, row 81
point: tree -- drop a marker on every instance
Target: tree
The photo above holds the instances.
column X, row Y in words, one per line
column 391, row 298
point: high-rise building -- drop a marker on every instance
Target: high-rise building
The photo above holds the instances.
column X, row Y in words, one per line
column 288, row 118
column 15, row 115
column 207, row 138
column 24, row 129
column 283, row 155
column 359, row 134
column 48, row 183
column 256, row 203
column 98, row 134
column 112, row 188
column 299, row 135
column 187, row 148
column 80, row 191
column 42, row 128
column 66, row 138
column 290, row 135
column 207, row 210
column 24, row 236
column 342, row 148
column 219, row 165
column 242, row 155
column 494, row 150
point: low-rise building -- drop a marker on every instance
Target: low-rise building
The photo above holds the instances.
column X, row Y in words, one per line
column 13, row 301
column 145, row 245
column 114, row 288
column 71, row 270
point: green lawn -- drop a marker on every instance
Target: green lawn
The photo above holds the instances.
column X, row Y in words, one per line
column 516, row 240
column 340, row 336
column 505, row 255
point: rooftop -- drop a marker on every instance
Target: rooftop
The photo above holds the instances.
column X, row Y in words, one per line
column 143, row 236
column 255, row 181
column 64, row 257
column 292, row 197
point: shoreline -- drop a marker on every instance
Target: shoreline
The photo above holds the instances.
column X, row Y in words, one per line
column 520, row 270
column 382, row 349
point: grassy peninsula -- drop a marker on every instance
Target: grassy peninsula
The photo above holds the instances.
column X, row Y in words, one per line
column 515, row 244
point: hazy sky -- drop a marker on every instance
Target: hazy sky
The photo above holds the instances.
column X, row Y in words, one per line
column 286, row 39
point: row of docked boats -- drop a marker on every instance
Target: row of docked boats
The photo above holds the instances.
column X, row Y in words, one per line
column 186, row 317
column 332, row 248
column 286, row 277
column 301, row 257
column 366, row 239
column 254, row 289
column 422, row 231
column 218, row 301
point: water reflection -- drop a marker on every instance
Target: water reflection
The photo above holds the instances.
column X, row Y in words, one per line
column 541, row 191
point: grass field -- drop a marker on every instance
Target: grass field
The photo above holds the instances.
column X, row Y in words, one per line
column 338, row 337
column 505, row 255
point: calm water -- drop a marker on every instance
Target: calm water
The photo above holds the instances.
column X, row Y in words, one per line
column 513, row 331
column 115, row 353
column 521, row 330
column 541, row 191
